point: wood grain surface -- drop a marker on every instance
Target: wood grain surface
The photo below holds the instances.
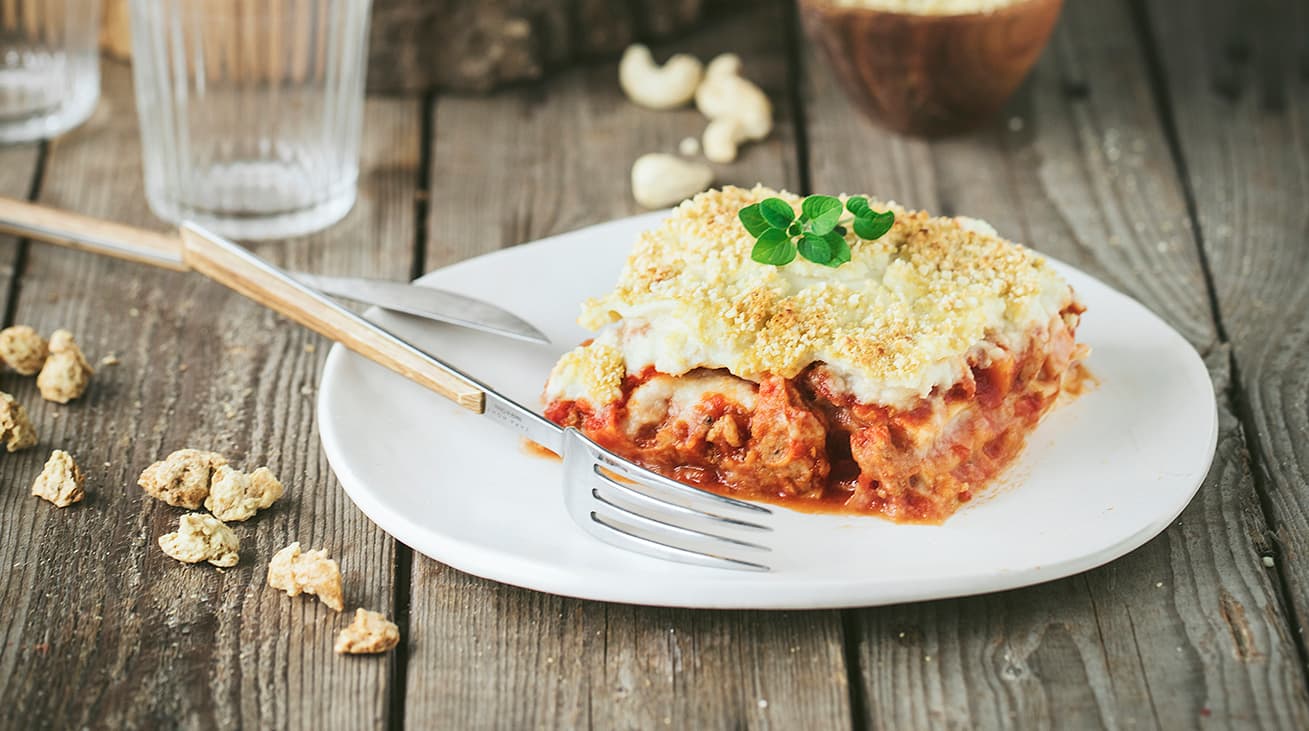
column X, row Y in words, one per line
column 104, row 630
column 1186, row 628
column 1160, row 145
column 1235, row 85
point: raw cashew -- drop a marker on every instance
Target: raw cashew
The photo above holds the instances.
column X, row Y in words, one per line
column 656, row 87
column 721, row 139
column 660, row 180
column 724, row 93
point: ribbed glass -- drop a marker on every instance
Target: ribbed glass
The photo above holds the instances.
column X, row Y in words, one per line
column 49, row 66
column 250, row 111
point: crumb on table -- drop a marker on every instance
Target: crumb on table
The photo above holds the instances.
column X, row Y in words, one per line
column 369, row 633
column 200, row 537
column 15, row 428
column 66, row 373
column 61, row 481
column 182, row 478
column 310, row 572
column 235, row 495
column 23, row 349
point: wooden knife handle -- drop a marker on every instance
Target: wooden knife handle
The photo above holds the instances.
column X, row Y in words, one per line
column 243, row 272
column 55, row 226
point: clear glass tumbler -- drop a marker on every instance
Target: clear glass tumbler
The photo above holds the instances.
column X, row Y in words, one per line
column 49, row 66
column 250, row 111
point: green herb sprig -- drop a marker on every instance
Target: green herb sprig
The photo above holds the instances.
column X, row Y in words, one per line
column 817, row 234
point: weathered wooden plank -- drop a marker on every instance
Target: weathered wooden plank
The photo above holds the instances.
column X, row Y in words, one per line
column 1236, row 80
column 1189, row 626
column 521, row 165
column 103, row 629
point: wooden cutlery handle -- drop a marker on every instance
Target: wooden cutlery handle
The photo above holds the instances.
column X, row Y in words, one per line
column 243, row 272
column 55, row 226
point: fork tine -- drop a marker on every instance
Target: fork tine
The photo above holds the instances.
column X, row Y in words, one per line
column 662, row 526
column 631, row 492
column 669, row 488
column 613, row 531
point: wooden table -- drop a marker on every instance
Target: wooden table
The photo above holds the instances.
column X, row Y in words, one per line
column 1163, row 146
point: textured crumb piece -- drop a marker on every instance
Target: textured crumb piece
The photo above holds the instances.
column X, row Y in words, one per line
column 310, row 572
column 369, row 633
column 61, row 481
column 23, row 349
column 66, row 373
column 15, row 428
column 235, row 495
column 182, row 478
column 201, row 537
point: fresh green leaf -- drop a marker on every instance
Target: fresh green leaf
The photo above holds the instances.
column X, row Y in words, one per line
column 826, row 223
column 858, row 206
column 773, row 247
column 873, row 226
column 816, row 206
column 794, row 230
column 777, row 212
column 815, row 248
column 840, row 230
column 840, row 249
column 753, row 220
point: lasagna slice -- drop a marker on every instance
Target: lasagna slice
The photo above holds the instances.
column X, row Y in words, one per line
column 898, row 384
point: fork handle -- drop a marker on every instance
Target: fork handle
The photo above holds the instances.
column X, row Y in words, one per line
column 243, row 272
column 92, row 235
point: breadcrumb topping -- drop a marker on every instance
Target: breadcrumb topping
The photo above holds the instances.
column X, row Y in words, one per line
column 66, row 373
column 892, row 324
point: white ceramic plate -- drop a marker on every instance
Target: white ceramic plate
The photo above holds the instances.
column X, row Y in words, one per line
column 1100, row 476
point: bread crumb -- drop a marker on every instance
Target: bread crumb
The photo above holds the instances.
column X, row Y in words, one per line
column 369, row 633
column 109, row 360
column 311, row 572
column 15, row 428
column 235, row 495
column 66, row 373
column 201, row 537
column 61, row 481
column 23, row 349
column 182, row 478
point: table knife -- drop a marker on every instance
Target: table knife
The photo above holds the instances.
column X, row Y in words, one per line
column 51, row 225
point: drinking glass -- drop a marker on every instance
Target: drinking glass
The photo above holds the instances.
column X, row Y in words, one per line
column 49, row 66
column 250, row 111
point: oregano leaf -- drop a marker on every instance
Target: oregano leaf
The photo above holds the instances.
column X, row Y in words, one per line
column 753, row 220
column 777, row 212
column 773, row 247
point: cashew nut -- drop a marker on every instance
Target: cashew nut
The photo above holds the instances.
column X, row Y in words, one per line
column 656, row 87
column 721, row 139
column 660, row 180
column 724, row 93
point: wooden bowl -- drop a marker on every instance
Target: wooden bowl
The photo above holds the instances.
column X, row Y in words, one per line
column 930, row 75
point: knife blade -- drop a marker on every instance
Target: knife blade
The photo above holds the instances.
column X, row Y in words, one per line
column 433, row 304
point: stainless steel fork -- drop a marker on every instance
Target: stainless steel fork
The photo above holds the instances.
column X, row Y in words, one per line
column 613, row 499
